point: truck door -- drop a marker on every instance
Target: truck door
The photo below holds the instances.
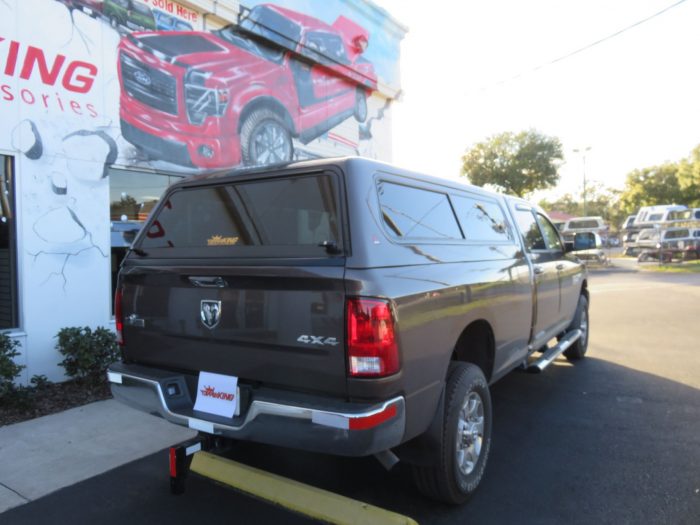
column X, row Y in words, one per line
column 546, row 275
column 567, row 270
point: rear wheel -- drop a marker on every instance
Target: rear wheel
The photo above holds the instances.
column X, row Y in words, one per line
column 465, row 441
column 578, row 349
column 265, row 139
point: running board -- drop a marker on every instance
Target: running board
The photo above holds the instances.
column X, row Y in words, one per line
column 549, row 355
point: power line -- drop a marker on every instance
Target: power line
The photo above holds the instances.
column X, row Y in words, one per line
column 586, row 47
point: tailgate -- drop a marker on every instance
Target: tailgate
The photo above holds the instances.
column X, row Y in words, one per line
column 242, row 277
column 274, row 325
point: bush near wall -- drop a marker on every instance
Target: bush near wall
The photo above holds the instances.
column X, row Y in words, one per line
column 9, row 370
column 87, row 353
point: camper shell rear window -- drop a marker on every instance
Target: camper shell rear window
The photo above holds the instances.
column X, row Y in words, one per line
column 296, row 216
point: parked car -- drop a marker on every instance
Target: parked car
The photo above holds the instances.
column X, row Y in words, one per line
column 628, row 224
column 647, row 239
column 347, row 307
column 678, row 243
column 584, row 224
column 648, row 216
column 129, row 14
column 240, row 94
column 167, row 22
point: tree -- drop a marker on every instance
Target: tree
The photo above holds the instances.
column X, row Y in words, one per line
column 689, row 178
column 651, row 186
column 516, row 163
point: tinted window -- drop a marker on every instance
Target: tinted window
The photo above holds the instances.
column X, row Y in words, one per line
column 648, row 234
column 551, row 236
column 676, row 234
column 655, row 217
column 678, row 215
column 8, row 252
column 416, row 213
column 292, row 212
column 532, row 236
column 142, row 9
column 577, row 225
column 481, row 220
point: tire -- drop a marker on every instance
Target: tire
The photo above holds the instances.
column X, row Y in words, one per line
column 460, row 465
column 265, row 139
column 360, row 112
column 581, row 321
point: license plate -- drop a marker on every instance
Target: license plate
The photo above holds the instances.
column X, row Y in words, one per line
column 218, row 394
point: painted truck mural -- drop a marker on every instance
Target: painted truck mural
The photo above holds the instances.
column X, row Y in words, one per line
column 241, row 93
column 105, row 102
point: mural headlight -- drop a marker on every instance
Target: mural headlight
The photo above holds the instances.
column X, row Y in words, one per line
column 203, row 101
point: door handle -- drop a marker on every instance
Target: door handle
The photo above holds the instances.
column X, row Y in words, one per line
column 208, row 282
column 538, row 270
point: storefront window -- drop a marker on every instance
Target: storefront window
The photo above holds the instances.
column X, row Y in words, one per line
column 132, row 196
column 8, row 266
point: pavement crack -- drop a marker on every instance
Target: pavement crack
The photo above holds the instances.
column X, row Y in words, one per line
column 15, row 492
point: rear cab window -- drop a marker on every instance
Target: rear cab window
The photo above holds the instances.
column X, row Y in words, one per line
column 415, row 213
column 482, row 219
column 296, row 216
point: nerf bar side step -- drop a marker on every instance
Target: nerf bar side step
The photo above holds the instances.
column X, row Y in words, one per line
column 549, row 355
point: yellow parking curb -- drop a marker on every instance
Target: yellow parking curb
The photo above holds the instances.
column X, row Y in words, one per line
column 299, row 497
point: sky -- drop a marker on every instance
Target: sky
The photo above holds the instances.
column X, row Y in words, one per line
column 471, row 69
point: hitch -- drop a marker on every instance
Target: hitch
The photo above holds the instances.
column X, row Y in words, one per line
column 181, row 459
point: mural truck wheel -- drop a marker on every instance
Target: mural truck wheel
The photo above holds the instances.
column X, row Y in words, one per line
column 265, row 139
column 360, row 105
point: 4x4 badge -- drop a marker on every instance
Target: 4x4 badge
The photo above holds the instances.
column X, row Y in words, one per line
column 210, row 313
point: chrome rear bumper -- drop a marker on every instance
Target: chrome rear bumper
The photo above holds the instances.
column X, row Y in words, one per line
column 268, row 416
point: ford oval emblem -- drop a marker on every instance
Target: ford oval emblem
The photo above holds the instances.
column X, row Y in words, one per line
column 142, row 77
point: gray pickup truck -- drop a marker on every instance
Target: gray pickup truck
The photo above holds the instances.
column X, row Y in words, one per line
column 344, row 306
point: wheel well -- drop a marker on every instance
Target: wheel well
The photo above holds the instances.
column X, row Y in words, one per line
column 476, row 345
column 267, row 103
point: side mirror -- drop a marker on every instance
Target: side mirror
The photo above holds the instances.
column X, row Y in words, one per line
column 584, row 241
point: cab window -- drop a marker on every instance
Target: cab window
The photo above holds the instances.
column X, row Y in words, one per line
column 414, row 213
column 551, row 237
column 532, row 236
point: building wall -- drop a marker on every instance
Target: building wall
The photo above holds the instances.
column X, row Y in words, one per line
column 61, row 103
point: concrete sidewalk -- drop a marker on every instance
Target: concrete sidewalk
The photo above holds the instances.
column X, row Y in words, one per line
column 42, row 455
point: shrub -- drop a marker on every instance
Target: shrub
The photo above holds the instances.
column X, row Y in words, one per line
column 40, row 382
column 9, row 370
column 87, row 353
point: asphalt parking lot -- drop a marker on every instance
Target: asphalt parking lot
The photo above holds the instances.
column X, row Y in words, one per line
column 612, row 439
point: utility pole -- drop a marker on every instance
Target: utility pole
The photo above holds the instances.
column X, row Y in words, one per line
column 583, row 152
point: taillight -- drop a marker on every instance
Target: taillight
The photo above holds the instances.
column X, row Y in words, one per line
column 118, row 317
column 371, row 338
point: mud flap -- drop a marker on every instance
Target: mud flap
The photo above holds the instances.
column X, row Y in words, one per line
column 423, row 450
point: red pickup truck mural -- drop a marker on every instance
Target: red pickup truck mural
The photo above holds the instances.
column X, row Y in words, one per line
column 242, row 93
